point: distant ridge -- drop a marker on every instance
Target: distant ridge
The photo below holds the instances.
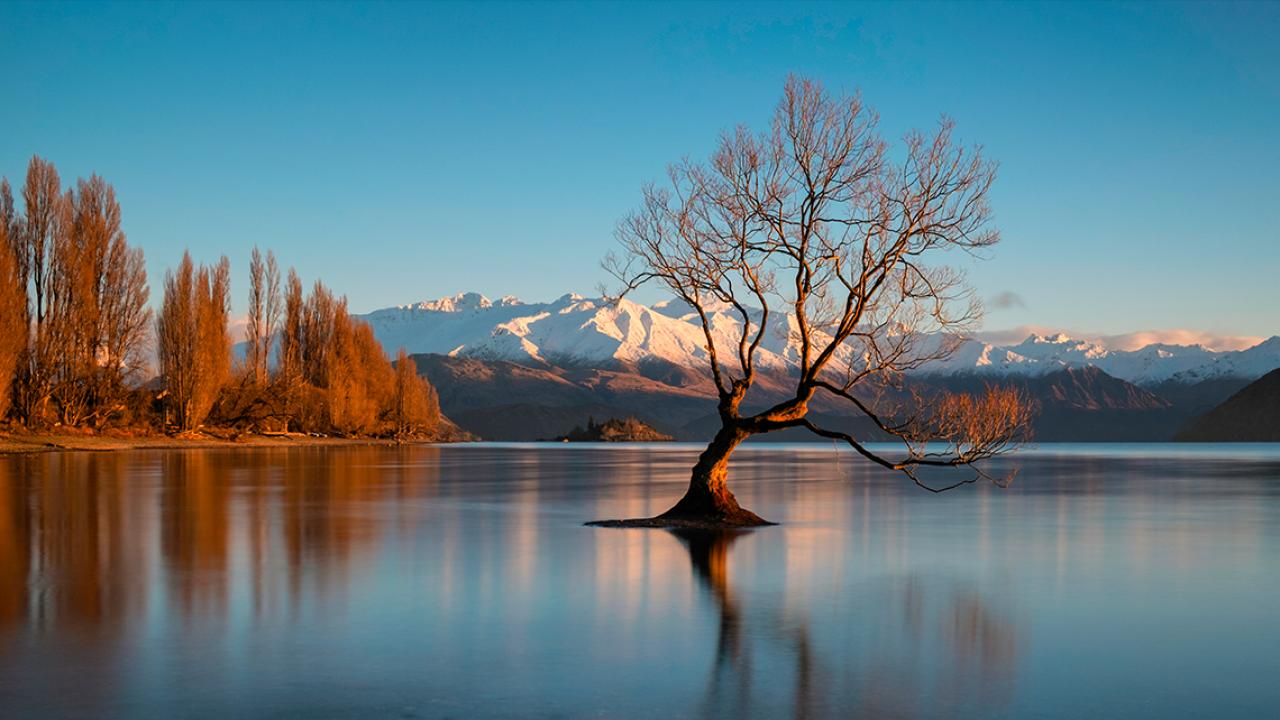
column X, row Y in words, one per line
column 502, row 400
column 1251, row 415
column 512, row 370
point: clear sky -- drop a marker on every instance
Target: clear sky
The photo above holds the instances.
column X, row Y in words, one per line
column 408, row 151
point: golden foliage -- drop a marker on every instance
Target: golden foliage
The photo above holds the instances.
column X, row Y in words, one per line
column 13, row 316
column 415, row 407
column 194, row 345
column 82, row 299
column 74, row 323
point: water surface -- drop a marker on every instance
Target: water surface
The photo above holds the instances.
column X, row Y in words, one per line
column 458, row 581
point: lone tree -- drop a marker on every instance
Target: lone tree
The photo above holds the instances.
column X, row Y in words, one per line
column 814, row 219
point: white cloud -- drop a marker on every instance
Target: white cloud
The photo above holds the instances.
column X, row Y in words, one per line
column 1179, row 336
column 1126, row 341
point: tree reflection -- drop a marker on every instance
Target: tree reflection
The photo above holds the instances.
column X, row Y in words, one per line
column 219, row 561
column 195, row 533
column 63, row 540
column 761, row 655
column 729, row 690
column 15, row 551
column 92, row 538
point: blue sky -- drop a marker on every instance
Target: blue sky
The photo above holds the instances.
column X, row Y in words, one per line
column 407, row 151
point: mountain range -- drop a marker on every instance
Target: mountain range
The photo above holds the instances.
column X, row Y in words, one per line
column 508, row 369
column 591, row 332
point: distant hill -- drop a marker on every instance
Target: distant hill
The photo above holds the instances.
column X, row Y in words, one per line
column 1086, row 404
column 1251, row 415
column 1083, row 388
column 504, row 400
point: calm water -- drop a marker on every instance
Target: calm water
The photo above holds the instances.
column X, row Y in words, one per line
column 459, row 582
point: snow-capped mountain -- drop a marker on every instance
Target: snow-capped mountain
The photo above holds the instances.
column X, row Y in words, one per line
column 1251, row 363
column 571, row 330
column 1040, row 354
column 578, row 331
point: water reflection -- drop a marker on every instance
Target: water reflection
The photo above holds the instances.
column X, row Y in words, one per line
column 83, row 538
column 981, row 646
column 430, row 582
column 729, row 690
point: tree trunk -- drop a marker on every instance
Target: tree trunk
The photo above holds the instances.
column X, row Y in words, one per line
column 708, row 497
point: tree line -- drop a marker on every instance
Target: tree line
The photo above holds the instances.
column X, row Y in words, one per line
column 76, row 333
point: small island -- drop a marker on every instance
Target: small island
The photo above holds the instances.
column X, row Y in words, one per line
column 615, row 430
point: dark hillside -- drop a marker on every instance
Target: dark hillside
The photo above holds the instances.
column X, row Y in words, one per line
column 1251, row 415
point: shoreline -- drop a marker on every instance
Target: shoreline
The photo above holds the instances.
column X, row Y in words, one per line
column 22, row 443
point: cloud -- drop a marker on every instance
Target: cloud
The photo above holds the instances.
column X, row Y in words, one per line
column 1015, row 335
column 1125, row 341
column 1007, row 301
column 1179, row 336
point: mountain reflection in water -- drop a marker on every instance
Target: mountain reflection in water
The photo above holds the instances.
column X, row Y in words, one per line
column 459, row 582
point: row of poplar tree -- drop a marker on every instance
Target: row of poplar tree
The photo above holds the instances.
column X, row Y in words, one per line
column 76, row 338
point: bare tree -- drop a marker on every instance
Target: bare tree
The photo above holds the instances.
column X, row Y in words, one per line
column 42, row 195
column 814, row 220
column 13, row 301
column 97, row 313
column 84, row 298
column 44, row 212
column 65, row 338
column 264, row 314
column 125, row 320
column 288, row 379
column 317, row 334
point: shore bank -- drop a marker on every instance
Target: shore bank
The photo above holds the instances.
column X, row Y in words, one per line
column 39, row 442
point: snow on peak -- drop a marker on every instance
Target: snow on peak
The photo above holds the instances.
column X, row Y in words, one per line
column 1055, row 339
column 574, row 329
column 1059, row 348
column 458, row 303
column 1249, row 364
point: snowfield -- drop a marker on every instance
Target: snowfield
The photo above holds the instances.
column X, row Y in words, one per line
column 579, row 331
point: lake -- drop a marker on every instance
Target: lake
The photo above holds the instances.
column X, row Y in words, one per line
column 459, row 581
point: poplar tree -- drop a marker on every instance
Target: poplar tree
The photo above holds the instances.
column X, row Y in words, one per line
column 13, row 317
column 193, row 341
column 264, row 315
